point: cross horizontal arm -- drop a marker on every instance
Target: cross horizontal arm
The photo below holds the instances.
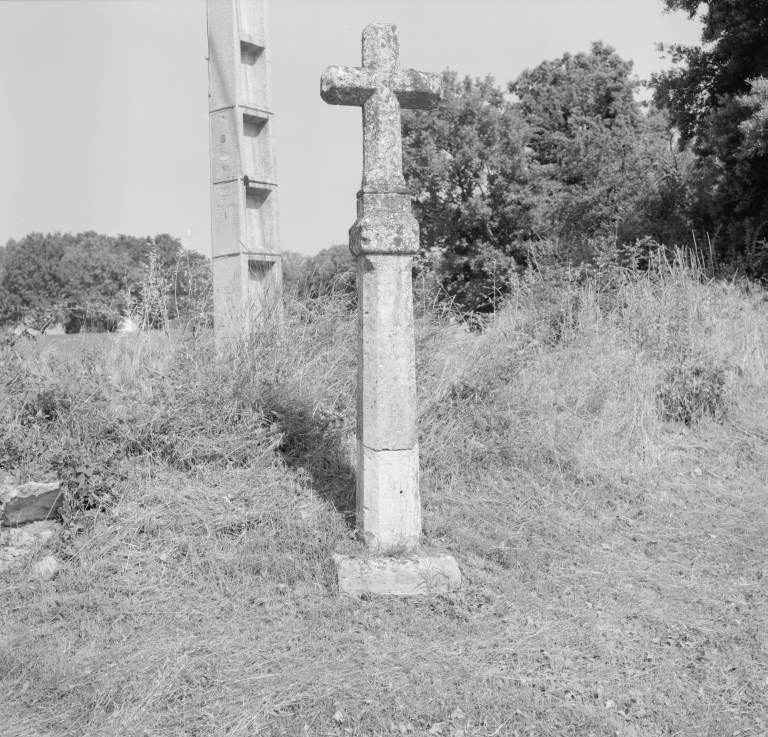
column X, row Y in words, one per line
column 418, row 90
column 347, row 85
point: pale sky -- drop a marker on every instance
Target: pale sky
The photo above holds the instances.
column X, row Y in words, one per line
column 104, row 118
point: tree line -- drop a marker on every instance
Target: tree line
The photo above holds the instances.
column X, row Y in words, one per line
column 90, row 281
column 562, row 165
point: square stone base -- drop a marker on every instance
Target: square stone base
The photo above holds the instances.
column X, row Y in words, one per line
column 397, row 576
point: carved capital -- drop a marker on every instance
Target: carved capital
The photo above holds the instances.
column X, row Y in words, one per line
column 385, row 224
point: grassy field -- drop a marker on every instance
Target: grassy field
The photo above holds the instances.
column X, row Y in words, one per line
column 596, row 458
column 76, row 345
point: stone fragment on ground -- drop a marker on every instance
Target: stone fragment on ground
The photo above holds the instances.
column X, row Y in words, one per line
column 31, row 502
column 46, row 568
column 18, row 543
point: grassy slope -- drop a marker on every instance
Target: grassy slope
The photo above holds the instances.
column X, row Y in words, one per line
column 614, row 560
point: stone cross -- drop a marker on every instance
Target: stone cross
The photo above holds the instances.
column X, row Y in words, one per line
column 383, row 240
column 247, row 274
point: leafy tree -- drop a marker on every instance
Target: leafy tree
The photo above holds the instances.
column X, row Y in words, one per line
column 185, row 275
column 91, row 280
column 584, row 124
column 95, row 275
column 607, row 172
column 567, row 168
column 31, row 282
column 166, row 247
column 466, row 166
column 711, row 95
column 734, row 51
column 568, row 98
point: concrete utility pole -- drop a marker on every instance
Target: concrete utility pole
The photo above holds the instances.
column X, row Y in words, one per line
column 247, row 273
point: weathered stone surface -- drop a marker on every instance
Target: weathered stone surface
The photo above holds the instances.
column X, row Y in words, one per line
column 398, row 576
column 29, row 502
column 247, row 277
column 347, row 85
column 17, row 543
column 383, row 239
column 386, row 389
column 46, row 568
column 248, row 286
column 388, row 499
column 384, row 224
column 381, row 88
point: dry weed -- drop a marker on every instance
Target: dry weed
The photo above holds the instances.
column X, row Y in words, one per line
column 613, row 551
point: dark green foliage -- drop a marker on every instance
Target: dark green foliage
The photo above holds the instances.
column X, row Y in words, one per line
column 713, row 97
column 568, row 169
column 692, row 390
column 477, row 276
column 88, row 488
column 95, row 275
column 733, row 51
column 604, row 172
column 47, row 405
column 32, row 282
column 89, row 281
column 466, row 166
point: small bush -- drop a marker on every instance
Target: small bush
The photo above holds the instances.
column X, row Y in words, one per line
column 692, row 390
column 46, row 406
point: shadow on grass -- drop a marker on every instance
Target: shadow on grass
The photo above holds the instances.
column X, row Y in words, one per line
column 319, row 447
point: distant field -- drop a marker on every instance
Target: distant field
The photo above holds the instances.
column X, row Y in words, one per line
column 77, row 343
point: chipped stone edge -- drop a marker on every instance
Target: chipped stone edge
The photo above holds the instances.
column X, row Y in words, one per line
column 32, row 490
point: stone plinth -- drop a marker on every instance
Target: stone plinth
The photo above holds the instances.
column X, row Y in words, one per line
column 412, row 576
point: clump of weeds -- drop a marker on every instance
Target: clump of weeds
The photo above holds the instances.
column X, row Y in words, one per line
column 693, row 389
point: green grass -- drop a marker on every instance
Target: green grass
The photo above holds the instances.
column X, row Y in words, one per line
column 596, row 458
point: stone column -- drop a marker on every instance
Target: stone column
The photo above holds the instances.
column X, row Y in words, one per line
column 247, row 274
column 383, row 239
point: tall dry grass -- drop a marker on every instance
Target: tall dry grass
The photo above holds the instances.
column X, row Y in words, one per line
column 595, row 456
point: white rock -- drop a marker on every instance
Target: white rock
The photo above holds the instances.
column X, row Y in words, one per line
column 46, row 568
